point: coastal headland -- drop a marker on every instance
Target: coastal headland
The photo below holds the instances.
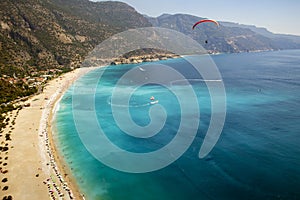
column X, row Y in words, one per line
column 143, row 58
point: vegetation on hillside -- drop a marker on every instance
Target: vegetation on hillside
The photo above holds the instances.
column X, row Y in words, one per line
column 39, row 36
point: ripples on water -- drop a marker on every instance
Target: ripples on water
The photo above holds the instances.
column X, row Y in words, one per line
column 257, row 156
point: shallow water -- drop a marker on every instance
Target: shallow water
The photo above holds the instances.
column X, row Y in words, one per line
column 256, row 157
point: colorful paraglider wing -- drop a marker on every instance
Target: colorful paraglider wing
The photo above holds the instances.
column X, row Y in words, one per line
column 206, row 20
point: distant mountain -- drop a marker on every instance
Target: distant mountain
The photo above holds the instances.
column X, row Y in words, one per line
column 229, row 37
column 43, row 34
column 282, row 41
column 259, row 30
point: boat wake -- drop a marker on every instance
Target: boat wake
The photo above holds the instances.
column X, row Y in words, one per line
column 131, row 104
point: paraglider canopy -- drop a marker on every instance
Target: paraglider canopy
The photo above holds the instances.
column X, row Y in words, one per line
column 206, row 20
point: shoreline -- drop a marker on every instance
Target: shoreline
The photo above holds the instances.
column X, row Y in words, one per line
column 33, row 167
column 63, row 173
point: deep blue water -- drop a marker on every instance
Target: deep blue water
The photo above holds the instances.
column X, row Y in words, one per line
column 256, row 157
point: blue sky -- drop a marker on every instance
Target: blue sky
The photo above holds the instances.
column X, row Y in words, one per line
column 278, row 16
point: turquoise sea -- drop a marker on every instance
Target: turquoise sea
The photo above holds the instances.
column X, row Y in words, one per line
column 256, row 157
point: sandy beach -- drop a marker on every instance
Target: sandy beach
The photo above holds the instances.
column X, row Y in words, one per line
column 30, row 166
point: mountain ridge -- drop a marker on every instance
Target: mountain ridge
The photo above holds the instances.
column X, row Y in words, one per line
column 230, row 37
column 59, row 33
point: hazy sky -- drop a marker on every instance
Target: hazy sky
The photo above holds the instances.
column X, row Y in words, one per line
column 278, row 16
